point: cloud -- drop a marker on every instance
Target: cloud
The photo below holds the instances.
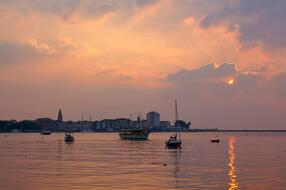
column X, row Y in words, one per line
column 11, row 53
column 258, row 21
column 65, row 8
column 141, row 3
column 277, row 84
column 33, row 49
column 253, row 101
column 205, row 73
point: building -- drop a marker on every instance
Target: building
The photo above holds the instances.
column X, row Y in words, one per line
column 153, row 119
column 122, row 123
column 112, row 124
column 182, row 124
column 46, row 124
column 165, row 124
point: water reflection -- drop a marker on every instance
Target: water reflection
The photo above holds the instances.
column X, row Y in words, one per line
column 177, row 153
column 233, row 185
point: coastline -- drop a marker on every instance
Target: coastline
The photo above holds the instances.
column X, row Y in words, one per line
column 168, row 131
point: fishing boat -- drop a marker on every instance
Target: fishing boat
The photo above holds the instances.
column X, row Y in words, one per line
column 135, row 131
column 174, row 141
column 69, row 137
column 134, row 134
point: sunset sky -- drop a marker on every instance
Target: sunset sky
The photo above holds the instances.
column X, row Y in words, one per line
column 223, row 60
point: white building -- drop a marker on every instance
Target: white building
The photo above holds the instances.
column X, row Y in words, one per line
column 153, row 119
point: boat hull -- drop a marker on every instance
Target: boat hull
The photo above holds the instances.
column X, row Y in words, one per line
column 45, row 133
column 174, row 145
column 69, row 138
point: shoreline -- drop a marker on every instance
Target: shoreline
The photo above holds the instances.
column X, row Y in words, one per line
column 170, row 131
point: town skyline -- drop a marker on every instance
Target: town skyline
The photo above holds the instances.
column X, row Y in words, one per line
column 152, row 122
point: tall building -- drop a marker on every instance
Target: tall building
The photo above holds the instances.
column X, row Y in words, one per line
column 60, row 116
column 153, row 119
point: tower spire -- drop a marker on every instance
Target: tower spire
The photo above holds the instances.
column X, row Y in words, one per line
column 60, row 115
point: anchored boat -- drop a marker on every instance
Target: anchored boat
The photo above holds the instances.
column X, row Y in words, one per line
column 175, row 141
column 134, row 134
column 135, row 131
column 69, row 137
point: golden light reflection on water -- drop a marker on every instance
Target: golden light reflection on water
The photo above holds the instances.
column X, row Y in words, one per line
column 233, row 184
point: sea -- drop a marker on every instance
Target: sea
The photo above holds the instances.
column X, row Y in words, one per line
column 246, row 161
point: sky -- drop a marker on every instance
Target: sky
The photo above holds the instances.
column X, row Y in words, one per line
column 223, row 60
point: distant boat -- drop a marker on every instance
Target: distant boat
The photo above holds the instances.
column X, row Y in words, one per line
column 173, row 141
column 69, row 137
column 135, row 132
column 46, row 132
column 215, row 141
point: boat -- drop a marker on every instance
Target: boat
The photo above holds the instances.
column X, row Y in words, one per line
column 46, row 132
column 173, row 141
column 134, row 134
column 69, row 137
column 215, row 141
column 135, row 131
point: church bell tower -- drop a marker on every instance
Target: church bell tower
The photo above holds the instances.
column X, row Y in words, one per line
column 60, row 116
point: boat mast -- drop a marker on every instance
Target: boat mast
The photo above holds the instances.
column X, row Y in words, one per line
column 177, row 116
column 90, row 121
column 176, row 112
column 81, row 122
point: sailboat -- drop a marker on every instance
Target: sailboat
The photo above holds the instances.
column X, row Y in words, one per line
column 68, row 136
column 175, row 140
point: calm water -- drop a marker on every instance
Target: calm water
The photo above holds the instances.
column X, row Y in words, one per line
column 255, row 161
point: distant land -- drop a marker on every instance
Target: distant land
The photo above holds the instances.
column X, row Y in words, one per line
column 152, row 122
